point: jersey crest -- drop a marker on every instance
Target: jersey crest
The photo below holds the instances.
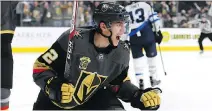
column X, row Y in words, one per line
column 87, row 83
column 84, row 61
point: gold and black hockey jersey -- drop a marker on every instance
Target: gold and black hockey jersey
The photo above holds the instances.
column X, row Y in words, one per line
column 99, row 77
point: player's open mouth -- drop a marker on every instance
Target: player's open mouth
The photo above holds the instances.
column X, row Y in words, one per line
column 118, row 37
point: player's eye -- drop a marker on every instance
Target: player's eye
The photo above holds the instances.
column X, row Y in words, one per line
column 119, row 24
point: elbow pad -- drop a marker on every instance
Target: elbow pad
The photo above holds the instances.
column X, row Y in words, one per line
column 126, row 91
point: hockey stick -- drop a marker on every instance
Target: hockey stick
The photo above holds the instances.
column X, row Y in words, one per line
column 162, row 60
column 70, row 44
column 158, row 44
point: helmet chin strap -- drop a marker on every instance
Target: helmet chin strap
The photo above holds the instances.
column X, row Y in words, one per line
column 109, row 37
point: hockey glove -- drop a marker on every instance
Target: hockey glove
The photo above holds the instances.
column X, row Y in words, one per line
column 147, row 99
column 58, row 90
column 158, row 37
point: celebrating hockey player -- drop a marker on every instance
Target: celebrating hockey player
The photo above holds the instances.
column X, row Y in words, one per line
column 99, row 66
column 8, row 24
column 145, row 32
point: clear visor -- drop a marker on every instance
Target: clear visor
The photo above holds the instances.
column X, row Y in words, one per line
column 125, row 25
column 127, row 28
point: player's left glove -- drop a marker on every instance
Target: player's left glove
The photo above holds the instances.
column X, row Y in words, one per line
column 158, row 37
column 147, row 99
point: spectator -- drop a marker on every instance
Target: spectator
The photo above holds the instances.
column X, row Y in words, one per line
column 59, row 13
column 56, row 14
column 67, row 12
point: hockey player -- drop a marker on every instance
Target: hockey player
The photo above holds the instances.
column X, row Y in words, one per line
column 8, row 24
column 99, row 66
column 145, row 32
column 206, row 31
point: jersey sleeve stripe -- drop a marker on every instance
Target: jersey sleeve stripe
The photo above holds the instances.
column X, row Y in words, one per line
column 138, row 29
column 7, row 32
column 153, row 14
column 37, row 71
column 39, row 67
column 155, row 20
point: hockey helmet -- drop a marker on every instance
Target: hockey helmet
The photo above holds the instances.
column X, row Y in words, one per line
column 109, row 12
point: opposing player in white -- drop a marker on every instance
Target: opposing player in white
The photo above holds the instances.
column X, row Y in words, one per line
column 145, row 32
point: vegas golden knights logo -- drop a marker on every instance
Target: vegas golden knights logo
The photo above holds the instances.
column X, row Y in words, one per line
column 86, row 85
column 84, row 61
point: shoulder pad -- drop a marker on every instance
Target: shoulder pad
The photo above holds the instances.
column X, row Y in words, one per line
column 82, row 33
column 125, row 45
column 123, row 53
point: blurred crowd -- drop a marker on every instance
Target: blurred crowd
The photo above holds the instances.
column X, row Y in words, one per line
column 174, row 14
column 54, row 13
column 178, row 14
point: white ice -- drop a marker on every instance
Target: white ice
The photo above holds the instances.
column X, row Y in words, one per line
column 187, row 86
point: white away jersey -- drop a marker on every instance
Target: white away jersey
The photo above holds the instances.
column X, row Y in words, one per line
column 140, row 13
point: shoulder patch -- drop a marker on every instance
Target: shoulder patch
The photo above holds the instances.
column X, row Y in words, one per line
column 125, row 45
column 124, row 52
column 78, row 34
column 81, row 33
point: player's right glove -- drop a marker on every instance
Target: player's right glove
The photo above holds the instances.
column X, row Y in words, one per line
column 147, row 99
column 158, row 37
column 58, row 90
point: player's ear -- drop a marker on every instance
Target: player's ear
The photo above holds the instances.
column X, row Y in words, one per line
column 102, row 26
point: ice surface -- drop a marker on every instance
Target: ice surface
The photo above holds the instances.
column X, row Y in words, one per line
column 187, row 86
